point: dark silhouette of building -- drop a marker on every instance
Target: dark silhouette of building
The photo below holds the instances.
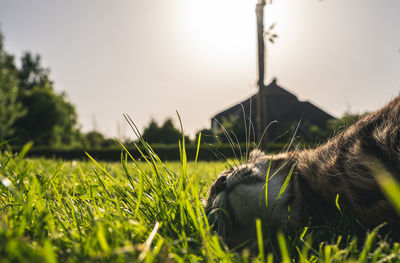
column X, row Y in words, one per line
column 283, row 107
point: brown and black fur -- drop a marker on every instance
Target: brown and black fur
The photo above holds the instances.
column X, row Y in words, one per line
column 343, row 166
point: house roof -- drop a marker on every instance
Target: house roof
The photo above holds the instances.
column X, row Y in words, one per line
column 282, row 106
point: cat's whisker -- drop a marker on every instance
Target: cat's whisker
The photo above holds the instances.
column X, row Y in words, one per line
column 264, row 132
column 229, row 138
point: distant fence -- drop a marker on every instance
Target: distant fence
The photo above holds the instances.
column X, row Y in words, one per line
column 164, row 152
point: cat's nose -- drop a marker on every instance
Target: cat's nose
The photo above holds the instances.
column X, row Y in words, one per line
column 220, row 184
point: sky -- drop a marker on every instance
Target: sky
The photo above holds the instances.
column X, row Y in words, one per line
column 151, row 59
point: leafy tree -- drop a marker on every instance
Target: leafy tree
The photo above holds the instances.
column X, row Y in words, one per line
column 95, row 139
column 318, row 135
column 31, row 73
column 152, row 132
column 169, row 133
column 50, row 120
column 10, row 108
column 110, row 143
column 336, row 125
column 166, row 134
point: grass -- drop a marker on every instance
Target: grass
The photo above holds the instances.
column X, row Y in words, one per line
column 131, row 211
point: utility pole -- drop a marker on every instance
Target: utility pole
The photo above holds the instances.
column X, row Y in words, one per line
column 261, row 95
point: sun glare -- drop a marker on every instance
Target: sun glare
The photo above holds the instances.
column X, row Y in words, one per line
column 220, row 26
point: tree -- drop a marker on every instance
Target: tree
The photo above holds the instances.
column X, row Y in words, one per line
column 169, row 133
column 95, row 139
column 166, row 134
column 50, row 119
column 151, row 133
column 32, row 74
column 336, row 125
column 110, row 143
column 10, row 108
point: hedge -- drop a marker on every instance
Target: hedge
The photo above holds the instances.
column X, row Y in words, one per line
column 165, row 152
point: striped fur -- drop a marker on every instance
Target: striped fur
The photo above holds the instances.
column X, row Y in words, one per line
column 343, row 168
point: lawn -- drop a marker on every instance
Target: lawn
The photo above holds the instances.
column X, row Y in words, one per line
column 132, row 211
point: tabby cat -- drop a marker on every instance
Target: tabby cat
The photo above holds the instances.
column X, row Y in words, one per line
column 340, row 174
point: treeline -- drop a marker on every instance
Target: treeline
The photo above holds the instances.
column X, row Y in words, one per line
column 31, row 110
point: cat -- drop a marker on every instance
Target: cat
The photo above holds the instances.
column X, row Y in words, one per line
column 338, row 175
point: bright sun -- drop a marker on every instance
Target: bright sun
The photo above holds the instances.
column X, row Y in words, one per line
column 220, row 26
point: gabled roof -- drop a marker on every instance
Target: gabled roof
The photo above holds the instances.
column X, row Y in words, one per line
column 282, row 106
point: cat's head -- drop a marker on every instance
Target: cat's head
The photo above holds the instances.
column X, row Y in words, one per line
column 237, row 197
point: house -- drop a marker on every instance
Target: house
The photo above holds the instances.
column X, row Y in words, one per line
column 283, row 107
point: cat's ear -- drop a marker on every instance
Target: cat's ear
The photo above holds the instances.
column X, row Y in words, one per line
column 255, row 155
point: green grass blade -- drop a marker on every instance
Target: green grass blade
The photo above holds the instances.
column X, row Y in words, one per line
column 283, row 247
column 267, row 181
column 260, row 241
column 337, row 203
column 286, row 182
column 25, row 149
